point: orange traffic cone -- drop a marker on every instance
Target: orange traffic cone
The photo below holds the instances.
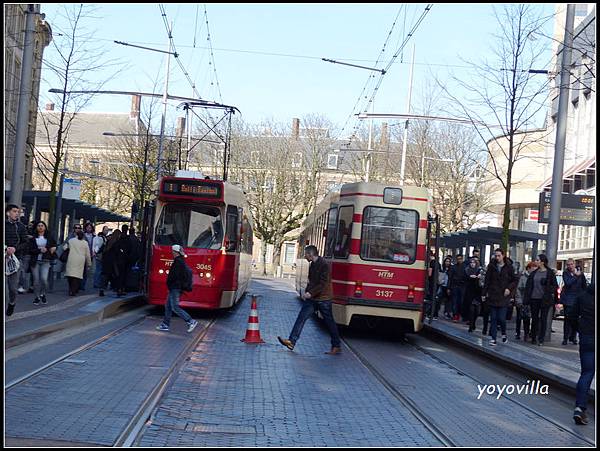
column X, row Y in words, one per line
column 253, row 333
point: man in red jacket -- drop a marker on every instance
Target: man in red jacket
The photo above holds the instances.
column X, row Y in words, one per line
column 317, row 296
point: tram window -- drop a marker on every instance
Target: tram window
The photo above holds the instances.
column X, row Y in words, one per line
column 331, row 223
column 344, row 232
column 197, row 226
column 389, row 234
column 232, row 235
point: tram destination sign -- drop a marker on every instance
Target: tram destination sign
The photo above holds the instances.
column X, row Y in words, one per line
column 574, row 209
column 193, row 188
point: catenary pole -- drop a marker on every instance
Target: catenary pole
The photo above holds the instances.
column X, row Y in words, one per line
column 164, row 114
column 561, row 135
column 405, row 139
column 17, row 182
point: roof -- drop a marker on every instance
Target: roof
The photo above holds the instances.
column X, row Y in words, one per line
column 576, row 169
column 487, row 235
column 86, row 129
column 82, row 209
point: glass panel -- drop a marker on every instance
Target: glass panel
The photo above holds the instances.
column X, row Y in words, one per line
column 344, row 232
column 233, row 229
column 196, row 226
column 331, row 223
column 389, row 234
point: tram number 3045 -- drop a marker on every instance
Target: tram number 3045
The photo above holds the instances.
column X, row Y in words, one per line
column 384, row 293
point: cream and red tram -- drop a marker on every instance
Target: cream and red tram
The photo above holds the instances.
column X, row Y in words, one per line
column 374, row 237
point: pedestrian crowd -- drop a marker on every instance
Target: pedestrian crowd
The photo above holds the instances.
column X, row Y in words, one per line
column 496, row 291
column 31, row 251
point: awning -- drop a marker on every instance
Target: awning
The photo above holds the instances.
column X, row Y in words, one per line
column 487, row 235
column 82, row 209
column 577, row 169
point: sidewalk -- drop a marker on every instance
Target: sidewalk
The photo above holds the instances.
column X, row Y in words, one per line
column 553, row 361
column 62, row 311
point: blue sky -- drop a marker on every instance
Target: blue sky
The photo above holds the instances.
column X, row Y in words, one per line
column 282, row 87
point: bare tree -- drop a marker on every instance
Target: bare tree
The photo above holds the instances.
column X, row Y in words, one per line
column 281, row 177
column 74, row 62
column 504, row 97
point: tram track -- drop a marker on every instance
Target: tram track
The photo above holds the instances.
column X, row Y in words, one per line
column 407, row 402
column 72, row 353
column 562, row 427
column 132, row 432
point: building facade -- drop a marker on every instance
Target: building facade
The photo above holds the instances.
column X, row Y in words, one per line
column 14, row 44
column 579, row 172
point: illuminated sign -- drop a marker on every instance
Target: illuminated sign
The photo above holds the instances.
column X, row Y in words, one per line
column 196, row 188
column 574, row 209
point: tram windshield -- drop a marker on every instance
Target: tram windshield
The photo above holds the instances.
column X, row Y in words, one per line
column 389, row 234
column 196, row 226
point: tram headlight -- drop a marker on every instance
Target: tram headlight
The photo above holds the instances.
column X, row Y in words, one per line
column 201, row 274
column 208, row 275
column 160, row 271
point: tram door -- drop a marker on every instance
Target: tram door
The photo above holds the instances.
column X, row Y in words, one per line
column 147, row 240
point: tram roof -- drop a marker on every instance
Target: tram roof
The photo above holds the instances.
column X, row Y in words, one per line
column 487, row 235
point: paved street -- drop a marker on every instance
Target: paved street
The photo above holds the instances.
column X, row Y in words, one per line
column 382, row 391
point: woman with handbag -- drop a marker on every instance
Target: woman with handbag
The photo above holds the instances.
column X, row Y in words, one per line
column 43, row 252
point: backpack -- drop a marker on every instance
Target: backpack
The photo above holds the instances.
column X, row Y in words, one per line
column 187, row 283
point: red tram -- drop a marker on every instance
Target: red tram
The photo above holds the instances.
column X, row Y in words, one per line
column 375, row 239
column 211, row 220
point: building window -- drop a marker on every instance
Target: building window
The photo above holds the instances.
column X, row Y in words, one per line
column 332, row 161
column 289, row 254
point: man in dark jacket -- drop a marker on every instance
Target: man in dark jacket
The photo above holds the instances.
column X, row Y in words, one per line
column 456, row 284
column 541, row 292
column 584, row 309
column 175, row 283
column 573, row 285
column 15, row 243
column 317, row 297
column 499, row 286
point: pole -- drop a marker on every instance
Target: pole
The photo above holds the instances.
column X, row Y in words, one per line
column 561, row 135
column 405, row 139
column 18, row 170
column 188, row 118
column 164, row 114
column 423, row 167
column 370, row 147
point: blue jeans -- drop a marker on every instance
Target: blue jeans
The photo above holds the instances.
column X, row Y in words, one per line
column 498, row 314
column 587, row 353
column 458, row 293
column 308, row 308
column 172, row 306
column 40, row 277
column 98, row 281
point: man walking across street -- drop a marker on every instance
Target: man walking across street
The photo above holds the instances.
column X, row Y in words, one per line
column 16, row 243
column 573, row 285
column 317, row 296
column 176, row 282
column 500, row 283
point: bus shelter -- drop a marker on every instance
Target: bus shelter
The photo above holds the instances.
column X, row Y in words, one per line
column 522, row 245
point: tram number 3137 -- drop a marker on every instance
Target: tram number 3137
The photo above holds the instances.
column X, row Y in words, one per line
column 384, row 293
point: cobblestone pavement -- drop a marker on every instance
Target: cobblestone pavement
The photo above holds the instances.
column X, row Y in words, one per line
column 90, row 397
column 234, row 394
column 449, row 399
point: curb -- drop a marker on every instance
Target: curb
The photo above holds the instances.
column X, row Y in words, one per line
column 525, row 367
column 93, row 312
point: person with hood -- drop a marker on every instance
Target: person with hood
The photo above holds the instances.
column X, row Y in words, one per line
column 523, row 310
column 541, row 291
column 500, row 283
column 473, row 291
